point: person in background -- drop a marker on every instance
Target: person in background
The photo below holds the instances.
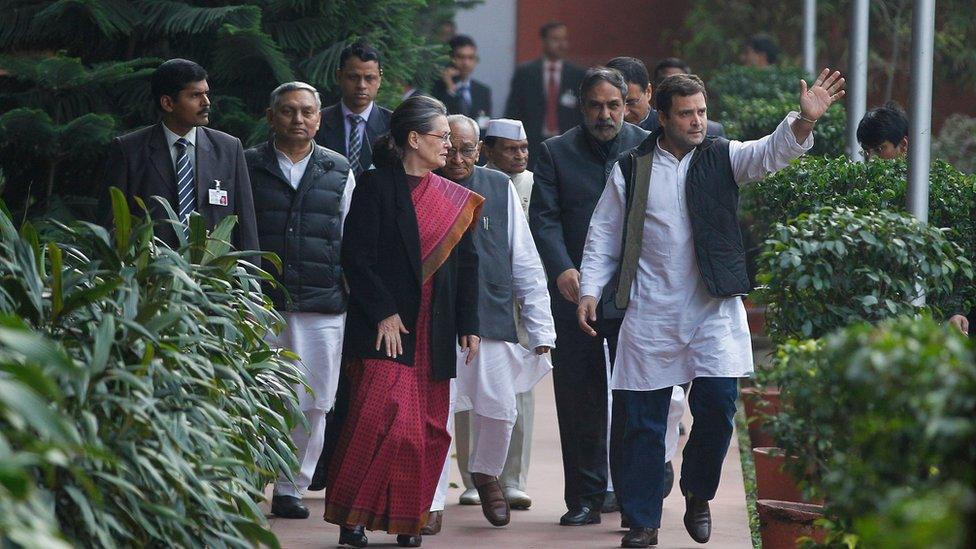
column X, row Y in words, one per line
column 412, row 271
column 684, row 322
column 883, row 132
column 351, row 126
column 667, row 67
column 570, row 175
column 459, row 92
column 760, row 51
column 302, row 193
column 544, row 91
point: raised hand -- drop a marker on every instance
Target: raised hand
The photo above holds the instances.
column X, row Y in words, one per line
column 815, row 100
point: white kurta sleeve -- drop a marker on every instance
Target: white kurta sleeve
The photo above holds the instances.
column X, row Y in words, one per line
column 347, row 198
column 529, row 277
column 753, row 160
column 601, row 255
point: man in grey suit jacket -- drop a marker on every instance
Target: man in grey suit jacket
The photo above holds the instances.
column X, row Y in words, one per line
column 351, row 126
column 569, row 178
column 544, row 91
column 195, row 168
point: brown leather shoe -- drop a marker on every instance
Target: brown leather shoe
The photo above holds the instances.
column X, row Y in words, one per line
column 493, row 502
column 433, row 526
column 639, row 537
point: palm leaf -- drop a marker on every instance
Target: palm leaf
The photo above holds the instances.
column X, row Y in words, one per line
column 168, row 18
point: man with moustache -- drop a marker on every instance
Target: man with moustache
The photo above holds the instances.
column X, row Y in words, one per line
column 302, row 193
column 676, row 261
column 195, row 168
column 351, row 126
column 569, row 177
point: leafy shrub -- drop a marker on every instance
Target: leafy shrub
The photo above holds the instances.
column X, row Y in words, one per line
column 837, row 266
column 741, row 82
column 956, row 143
column 752, row 118
column 182, row 409
column 811, row 183
column 878, row 416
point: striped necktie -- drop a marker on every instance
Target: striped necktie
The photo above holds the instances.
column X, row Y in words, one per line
column 184, row 183
column 355, row 143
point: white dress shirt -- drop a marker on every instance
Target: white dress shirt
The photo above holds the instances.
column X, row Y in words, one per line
column 190, row 136
column 293, row 171
column 674, row 330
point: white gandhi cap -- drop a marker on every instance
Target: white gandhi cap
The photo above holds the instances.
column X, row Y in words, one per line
column 506, row 128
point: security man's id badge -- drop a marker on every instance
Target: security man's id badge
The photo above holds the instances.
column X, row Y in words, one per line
column 218, row 196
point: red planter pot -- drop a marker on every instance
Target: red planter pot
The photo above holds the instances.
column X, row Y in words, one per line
column 772, row 482
column 756, row 316
column 781, row 523
column 758, row 402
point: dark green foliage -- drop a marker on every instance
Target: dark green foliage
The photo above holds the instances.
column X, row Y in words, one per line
column 69, row 58
column 880, row 419
column 837, row 266
column 181, row 413
column 811, row 183
column 755, row 83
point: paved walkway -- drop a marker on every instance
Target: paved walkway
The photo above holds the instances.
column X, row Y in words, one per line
column 465, row 527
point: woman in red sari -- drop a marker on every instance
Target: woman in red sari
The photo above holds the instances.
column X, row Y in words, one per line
column 413, row 275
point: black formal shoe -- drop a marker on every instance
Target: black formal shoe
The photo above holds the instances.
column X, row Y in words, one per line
column 610, row 504
column 668, row 478
column 639, row 537
column 698, row 519
column 288, row 507
column 355, row 536
column 319, row 480
column 406, row 540
column 580, row 517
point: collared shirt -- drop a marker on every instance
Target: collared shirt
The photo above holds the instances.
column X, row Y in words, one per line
column 674, row 330
column 293, row 171
column 348, row 125
column 546, row 64
column 171, row 138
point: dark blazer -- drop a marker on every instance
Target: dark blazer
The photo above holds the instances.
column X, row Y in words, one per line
column 651, row 123
column 332, row 133
column 567, row 183
column 480, row 99
column 140, row 164
column 381, row 260
column 527, row 101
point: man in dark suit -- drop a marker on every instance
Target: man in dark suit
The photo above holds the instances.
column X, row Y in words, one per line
column 460, row 93
column 569, row 179
column 351, row 126
column 195, row 168
column 544, row 91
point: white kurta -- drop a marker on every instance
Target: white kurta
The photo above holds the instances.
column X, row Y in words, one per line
column 502, row 369
column 673, row 330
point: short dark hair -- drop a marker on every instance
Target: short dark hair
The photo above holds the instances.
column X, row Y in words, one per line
column 461, row 41
column 669, row 63
column 677, row 84
column 764, row 43
column 172, row 76
column 633, row 69
column 544, row 29
column 363, row 51
column 885, row 123
column 595, row 75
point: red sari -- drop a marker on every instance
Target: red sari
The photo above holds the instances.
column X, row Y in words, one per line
column 395, row 440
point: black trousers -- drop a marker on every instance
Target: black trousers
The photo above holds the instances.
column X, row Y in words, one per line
column 579, row 376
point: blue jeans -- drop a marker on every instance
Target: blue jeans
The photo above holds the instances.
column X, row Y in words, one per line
column 641, row 417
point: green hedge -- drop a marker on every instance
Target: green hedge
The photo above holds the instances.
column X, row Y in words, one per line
column 837, row 266
column 181, row 412
column 879, row 417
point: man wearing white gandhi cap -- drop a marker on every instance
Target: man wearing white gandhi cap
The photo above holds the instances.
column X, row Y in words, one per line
column 507, row 149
